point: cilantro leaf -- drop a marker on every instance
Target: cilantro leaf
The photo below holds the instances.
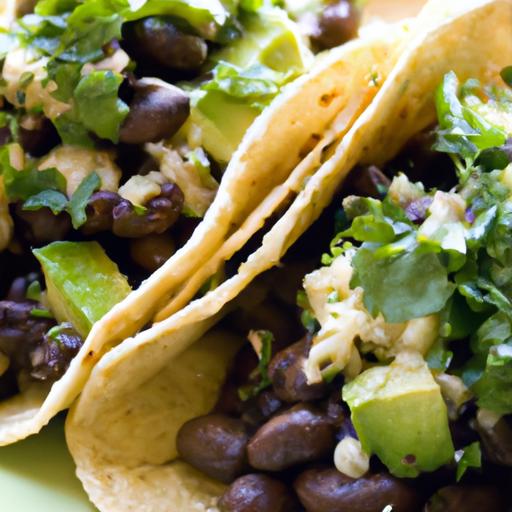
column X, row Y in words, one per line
column 52, row 199
column 78, row 203
column 99, row 108
column 410, row 285
column 262, row 343
column 462, row 131
column 72, row 131
column 66, row 76
column 53, row 7
column 256, row 85
column 20, row 185
column 494, row 387
column 89, row 27
column 468, row 457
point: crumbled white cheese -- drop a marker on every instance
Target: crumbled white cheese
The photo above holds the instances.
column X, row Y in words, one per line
column 444, row 222
column 454, row 391
column 116, row 62
column 350, row 458
column 402, row 191
column 21, row 61
column 346, row 320
column 76, row 163
column 139, row 190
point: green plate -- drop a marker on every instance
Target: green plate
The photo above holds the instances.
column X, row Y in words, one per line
column 38, row 474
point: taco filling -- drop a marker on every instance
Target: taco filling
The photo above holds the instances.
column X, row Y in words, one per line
column 397, row 394
column 117, row 120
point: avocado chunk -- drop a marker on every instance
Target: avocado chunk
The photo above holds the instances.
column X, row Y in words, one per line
column 271, row 41
column 400, row 416
column 223, row 121
column 82, row 282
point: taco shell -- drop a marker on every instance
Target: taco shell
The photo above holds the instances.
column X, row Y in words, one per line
column 122, row 430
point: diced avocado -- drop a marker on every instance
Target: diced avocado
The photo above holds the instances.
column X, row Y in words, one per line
column 270, row 39
column 400, row 416
column 223, row 121
column 82, row 282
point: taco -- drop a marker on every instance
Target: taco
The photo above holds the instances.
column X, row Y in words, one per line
column 168, row 424
column 124, row 167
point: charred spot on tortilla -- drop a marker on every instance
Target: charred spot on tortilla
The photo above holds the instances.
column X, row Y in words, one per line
column 327, row 99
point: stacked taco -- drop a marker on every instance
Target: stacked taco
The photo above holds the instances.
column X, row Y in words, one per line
column 131, row 173
column 388, row 388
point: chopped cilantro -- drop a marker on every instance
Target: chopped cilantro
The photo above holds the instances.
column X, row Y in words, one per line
column 262, row 343
column 21, row 185
column 52, row 199
column 458, row 266
column 78, row 202
column 307, row 316
column 99, row 108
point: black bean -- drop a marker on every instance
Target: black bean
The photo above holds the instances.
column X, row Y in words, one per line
column 300, row 434
column 41, row 227
column 258, row 493
column 286, row 371
column 268, row 403
column 162, row 212
column 162, row 42
column 152, row 251
column 53, row 356
column 216, row 445
column 259, row 409
column 461, row 498
column 100, row 212
column 38, row 135
column 21, row 332
column 338, row 415
column 497, row 441
column 337, row 24
column 328, row 490
column 157, row 111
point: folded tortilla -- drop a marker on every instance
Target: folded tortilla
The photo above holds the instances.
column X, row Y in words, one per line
column 285, row 145
column 122, row 431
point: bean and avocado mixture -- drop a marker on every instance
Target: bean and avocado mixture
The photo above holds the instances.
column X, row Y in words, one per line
column 117, row 120
column 398, row 394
